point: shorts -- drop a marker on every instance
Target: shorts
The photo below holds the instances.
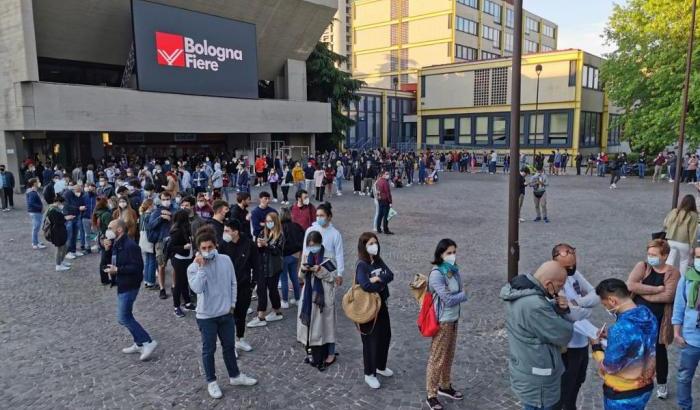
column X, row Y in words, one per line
column 259, row 174
column 160, row 257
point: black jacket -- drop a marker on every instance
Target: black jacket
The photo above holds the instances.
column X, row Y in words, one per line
column 129, row 264
column 218, row 228
column 270, row 257
column 293, row 238
column 240, row 214
column 58, row 231
column 179, row 237
column 245, row 258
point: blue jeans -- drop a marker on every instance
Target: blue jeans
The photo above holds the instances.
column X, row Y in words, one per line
column 529, row 407
column 125, row 304
column 642, row 170
column 36, row 225
column 289, row 269
column 225, row 327
column 149, row 267
column 73, row 228
column 690, row 356
column 339, row 183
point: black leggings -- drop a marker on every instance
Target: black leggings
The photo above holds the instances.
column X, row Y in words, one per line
column 268, row 286
column 285, row 193
column 181, row 288
column 661, row 364
column 243, row 296
column 319, row 193
column 357, row 183
column 273, row 186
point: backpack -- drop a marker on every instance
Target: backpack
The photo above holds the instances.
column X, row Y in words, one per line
column 46, row 227
column 168, row 251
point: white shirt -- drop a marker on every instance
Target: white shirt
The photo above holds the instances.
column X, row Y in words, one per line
column 585, row 300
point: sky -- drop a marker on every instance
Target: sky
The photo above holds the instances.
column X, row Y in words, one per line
column 581, row 22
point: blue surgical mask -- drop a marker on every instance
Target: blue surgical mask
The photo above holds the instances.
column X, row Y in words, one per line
column 653, row 261
column 314, row 248
column 696, row 264
column 270, row 225
column 209, row 255
column 321, row 220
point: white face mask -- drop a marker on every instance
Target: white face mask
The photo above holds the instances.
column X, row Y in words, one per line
column 373, row 249
column 201, row 204
column 451, row 259
column 227, row 238
column 306, row 201
column 109, row 234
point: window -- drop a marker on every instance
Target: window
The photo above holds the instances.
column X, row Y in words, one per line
column 481, row 87
column 572, row 73
column 432, row 131
column 482, row 131
column 532, row 25
column 422, row 86
column 492, row 34
column 531, row 46
column 448, row 125
column 510, row 18
column 493, row 9
column 614, row 129
column 465, row 53
column 467, row 26
column 485, row 55
column 465, row 131
column 499, row 132
column 548, row 31
column 508, row 46
column 536, row 133
column 590, row 77
column 589, row 135
column 499, row 85
column 558, row 128
column 545, row 48
column 470, row 3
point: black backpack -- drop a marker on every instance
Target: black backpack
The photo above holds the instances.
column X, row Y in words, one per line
column 46, row 227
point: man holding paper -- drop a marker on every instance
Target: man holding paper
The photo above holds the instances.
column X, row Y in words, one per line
column 582, row 299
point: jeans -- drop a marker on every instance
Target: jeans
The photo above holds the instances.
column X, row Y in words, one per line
column 73, row 228
column 642, row 170
column 224, row 327
column 36, row 225
column 289, row 269
column 149, row 267
column 125, row 304
column 383, row 217
column 82, row 233
column 339, row 183
column 529, row 407
column 690, row 355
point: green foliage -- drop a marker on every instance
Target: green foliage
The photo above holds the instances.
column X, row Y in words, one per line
column 645, row 74
column 327, row 83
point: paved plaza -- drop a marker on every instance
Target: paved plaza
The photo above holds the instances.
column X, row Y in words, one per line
column 61, row 344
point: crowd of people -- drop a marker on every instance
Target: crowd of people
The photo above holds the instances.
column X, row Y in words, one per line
column 142, row 216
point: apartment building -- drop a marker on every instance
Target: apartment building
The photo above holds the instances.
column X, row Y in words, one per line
column 338, row 34
column 393, row 39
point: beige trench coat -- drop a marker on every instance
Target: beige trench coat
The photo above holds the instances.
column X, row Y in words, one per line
column 322, row 323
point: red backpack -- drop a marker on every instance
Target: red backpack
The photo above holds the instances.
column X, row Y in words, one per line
column 427, row 319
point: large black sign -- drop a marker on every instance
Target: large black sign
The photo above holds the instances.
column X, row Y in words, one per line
column 181, row 51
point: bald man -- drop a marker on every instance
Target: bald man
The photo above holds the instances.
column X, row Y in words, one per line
column 538, row 328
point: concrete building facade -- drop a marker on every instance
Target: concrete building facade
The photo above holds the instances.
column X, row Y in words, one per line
column 393, row 39
column 63, row 97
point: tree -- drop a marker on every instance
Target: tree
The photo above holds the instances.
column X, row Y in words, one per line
column 645, row 74
column 327, row 83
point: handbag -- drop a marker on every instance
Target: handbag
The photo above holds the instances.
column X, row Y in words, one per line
column 392, row 213
column 361, row 306
column 427, row 319
column 658, row 235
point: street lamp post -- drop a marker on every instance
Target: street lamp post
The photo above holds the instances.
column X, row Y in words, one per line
column 684, row 109
column 514, row 189
column 395, row 83
column 538, row 70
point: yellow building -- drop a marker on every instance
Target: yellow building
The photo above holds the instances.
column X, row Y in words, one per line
column 338, row 34
column 467, row 105
column 393, row 39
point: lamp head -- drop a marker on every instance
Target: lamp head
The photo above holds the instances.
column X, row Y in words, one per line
column 538, row 69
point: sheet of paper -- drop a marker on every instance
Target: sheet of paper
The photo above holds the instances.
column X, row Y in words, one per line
column 586, row 328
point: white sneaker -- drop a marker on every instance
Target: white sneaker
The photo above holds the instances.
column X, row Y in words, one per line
column 274, row 201
column 339, row 194
column 386, row 372
column 62, row 268
column 148, row 349
column 662, row 391
column 70, row 255
column 79, row 254
column 132, row 349
column 293, row 302
column 242, row 380
column 285, row 305
column 273, row 317
column 243, row 345
column 68, row 264
column 257, row 322
column 521, row 219
column 214, row 390
column 372, row 382
column 249, row 311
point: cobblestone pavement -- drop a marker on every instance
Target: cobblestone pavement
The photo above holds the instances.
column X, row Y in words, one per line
column 61, row 343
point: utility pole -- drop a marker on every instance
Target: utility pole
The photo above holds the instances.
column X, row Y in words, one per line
column 684, row 109
column 514, row 189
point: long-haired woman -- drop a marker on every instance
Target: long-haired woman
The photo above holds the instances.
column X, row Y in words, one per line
column 270, row 244
column 681, row 226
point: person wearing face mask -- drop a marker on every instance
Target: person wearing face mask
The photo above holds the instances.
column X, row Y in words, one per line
column 35, row 208
column 259, row 214
column 627, row 363
column 203, row 209
column 358, row 174
column 181, row 257
column 287, row 181
column 270, row 245
column 539, row 183
column 240, row 212
column 309, row 171
column 126, row 272
column 316, row 327
column 7, row 186
column 303, row 211
column 370, row 174
column 522, row 184
column 654, row 282
column 196, row 221
column 86, row 232
column 244, row 255
column 319, row 179
column 74, row 206
column 57, row 233
column 686, row 332
column 384, row 200
column 293, row 244
column 127, row 214
column 539, row 326
column 157, row 229
column 374, row 276
column 211, row 276
column 147, row 249
column 298, row 176
column 445, row 283
column 105, row 189
column 583, row 299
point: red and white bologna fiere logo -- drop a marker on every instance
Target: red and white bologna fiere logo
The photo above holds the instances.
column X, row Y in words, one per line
column 176, row 50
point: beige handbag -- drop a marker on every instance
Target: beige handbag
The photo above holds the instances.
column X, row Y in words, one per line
column 361, row 306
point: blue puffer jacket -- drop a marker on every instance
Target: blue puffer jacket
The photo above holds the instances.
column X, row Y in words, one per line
column 129, row 264
column 158, row 227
